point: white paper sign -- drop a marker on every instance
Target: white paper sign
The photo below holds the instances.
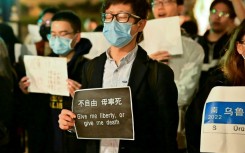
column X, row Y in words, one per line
column 223, row 123
column 99, row 43
column 21, row 50
column 163, row 35
column 47, row 74
column 34, row 33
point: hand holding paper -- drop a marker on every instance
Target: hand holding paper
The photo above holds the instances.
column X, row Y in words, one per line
column 73, row 86
column 161, row 56
column 66, row 119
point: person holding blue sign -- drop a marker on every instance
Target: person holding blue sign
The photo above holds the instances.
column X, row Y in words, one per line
column 125, row 63
column 231, row 72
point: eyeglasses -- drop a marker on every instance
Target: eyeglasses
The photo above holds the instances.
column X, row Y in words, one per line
column 219, row 13
column 43, row 22
column 162, row 3
column 62, row 34
column 122, row 17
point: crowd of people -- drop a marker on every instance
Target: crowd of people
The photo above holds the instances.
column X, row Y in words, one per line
column 174, row 105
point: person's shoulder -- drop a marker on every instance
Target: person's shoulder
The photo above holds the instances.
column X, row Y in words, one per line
column 189, row 41
column 191, row 45
column 217, row 78
column 161, row 67
column 96, row 59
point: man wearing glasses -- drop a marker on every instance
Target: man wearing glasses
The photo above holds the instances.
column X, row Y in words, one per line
column 125, row 63
column 221, row 19
column 186, row 67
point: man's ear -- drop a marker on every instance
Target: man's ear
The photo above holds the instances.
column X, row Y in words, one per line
column 141, row 24
column 76, row 39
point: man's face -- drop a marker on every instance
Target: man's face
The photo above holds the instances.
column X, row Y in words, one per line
column 126, row 8
column 219, row 18
column 164, row 8
column 62, row 29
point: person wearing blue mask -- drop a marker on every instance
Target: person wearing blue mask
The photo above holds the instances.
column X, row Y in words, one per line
column 155, row 108
column 66, row 42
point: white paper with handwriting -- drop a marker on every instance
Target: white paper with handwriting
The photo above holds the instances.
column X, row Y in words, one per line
column 47, row 74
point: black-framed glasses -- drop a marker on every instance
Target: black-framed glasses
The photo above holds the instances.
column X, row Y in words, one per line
column 219, row 13
column 162, row 3
column 121, row 17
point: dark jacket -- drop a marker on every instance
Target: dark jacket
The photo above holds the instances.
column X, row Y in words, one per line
column 75, row 65
column 194, row 112
column 42, row 123
column 67, row 143
column 155, row 110
column 219, row 48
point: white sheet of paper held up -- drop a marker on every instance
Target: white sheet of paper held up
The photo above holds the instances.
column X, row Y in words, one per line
column 34, row 33
column 24, row 49
column 99, row 43
column 47, row 74
column 163, row 35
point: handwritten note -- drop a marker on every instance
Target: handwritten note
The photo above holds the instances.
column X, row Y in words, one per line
column 47, row 74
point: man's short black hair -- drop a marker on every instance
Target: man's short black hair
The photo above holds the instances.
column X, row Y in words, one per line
column 70, row 17
column 140, row 7
column 180, row 2
column 228, row 4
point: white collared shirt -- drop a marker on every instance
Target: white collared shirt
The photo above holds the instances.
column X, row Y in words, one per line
column 116, row 76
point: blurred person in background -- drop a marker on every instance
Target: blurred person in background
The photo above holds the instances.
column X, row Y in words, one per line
column 186, row 66
column 9, row 134
column 44, row 22
column 7, row 34
column 222, row 16
column 90, row 24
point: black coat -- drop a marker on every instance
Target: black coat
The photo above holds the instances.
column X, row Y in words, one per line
column 155, row 110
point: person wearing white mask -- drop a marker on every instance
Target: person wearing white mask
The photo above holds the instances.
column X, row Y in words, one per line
column 65, row 41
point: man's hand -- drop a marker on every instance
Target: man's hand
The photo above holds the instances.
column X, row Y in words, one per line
column 24, row 84
column 73, row 86
column 161, row 56
column 66, row 119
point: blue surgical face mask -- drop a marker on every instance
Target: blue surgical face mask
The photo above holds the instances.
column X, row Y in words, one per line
column 60, row 45
column 118, row 34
